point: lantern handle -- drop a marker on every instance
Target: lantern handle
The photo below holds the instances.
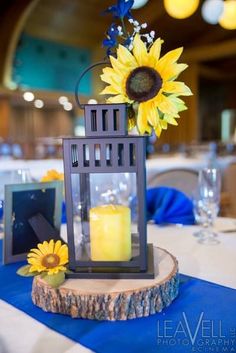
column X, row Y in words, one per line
column 80, row 78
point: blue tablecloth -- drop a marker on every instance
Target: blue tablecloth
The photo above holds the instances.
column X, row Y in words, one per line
column 201, row 319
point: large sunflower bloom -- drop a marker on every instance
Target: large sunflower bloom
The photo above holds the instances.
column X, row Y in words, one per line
column 144, row 78
column 48, row 257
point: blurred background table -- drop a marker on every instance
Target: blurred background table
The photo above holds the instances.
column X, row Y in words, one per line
column 154, row 165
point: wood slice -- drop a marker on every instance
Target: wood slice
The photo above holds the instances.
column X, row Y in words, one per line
column 119, row 299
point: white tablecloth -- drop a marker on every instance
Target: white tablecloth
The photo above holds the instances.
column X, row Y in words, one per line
column 37, row 168
column 20, row 333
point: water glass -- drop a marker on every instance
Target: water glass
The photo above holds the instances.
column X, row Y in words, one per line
column 209, row 203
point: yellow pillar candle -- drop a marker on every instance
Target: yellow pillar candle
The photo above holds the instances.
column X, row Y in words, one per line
column 110, row 233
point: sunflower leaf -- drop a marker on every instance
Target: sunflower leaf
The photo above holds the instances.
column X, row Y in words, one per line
column 43, row 274
column 68, row 271
column 24, row 271
column 55, row 280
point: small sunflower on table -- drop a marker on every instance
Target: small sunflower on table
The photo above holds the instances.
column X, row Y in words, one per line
column 49, row 261
column 139, row 76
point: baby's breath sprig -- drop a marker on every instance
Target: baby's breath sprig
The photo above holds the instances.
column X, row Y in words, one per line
column 118, row 33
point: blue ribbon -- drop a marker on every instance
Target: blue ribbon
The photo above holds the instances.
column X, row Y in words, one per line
column 203, row 309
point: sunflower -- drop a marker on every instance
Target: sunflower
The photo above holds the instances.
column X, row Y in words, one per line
column 51, row 175
column 49, row 257
column 144, row 80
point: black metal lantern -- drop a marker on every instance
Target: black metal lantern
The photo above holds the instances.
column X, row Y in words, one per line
column 105, row 187
column 105, row 198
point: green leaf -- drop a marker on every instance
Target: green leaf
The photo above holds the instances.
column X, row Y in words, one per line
column 43, row 274
column 68, row 271
column 55, row 280
column 24, row 271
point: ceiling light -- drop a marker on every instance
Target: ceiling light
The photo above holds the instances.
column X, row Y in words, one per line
column 139, row 3
column 212, row 10
column 62, row 100
column 68, row 106
column 38, row 103
column 228, row 18
column 28, row 96
column 181, row 8
column 92, row 101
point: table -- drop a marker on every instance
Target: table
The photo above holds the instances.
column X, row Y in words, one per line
column 213, row 263
column 37, row 168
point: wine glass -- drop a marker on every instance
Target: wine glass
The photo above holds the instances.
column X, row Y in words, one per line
column 209, row 191
column 200, row 216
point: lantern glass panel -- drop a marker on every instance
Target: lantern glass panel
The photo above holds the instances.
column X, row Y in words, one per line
column 105, row 210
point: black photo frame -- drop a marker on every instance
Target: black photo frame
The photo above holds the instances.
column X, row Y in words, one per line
column 32, row 214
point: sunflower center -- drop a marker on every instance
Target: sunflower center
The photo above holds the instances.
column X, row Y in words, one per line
column 50, row 260
column 143, row 83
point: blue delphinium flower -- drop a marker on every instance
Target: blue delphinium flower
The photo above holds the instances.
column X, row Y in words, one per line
column 118, row 34
column 121, row 9
column 111, row 38
column 127, row 42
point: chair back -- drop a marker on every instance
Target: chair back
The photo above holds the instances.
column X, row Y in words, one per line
column 185, row 180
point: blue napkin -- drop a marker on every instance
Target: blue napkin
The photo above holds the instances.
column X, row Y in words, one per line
column 63, row 212
column 168, row 205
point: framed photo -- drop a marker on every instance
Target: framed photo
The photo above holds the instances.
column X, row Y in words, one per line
column 32, row 214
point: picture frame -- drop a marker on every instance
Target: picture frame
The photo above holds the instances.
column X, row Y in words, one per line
column 32, row 214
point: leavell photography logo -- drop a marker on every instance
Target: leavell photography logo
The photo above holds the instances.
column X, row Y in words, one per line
column 197, row 334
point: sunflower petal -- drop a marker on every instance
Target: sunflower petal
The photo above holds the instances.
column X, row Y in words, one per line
column 163, row 124
column 118, row 66
column 63, row 251
column 112, row 81
column 172, row 56
column 36, row 268
column 34, row 256
column 168, row 59
column 108, row 71
column 63, row 261
column 155, row 50
column 126, row 57
column 57, row 246
column 178, row 88
column 55, row 270
column 142, row 119
column 35, row 251
column 179, row 103
column 170, row 120
column 158, row 130
column 120, row 98
column 110, row 90
column 51, row 246
column 43, row 247
column 140, row 51
column 152, row 113
column 171, row 72
column 167, row 106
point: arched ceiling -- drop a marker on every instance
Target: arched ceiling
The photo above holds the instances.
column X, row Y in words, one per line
column 81, row 23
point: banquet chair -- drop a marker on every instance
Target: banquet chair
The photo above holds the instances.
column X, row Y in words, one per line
column 185, row 180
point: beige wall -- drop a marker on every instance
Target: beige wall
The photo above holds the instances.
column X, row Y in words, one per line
column 27, row 124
